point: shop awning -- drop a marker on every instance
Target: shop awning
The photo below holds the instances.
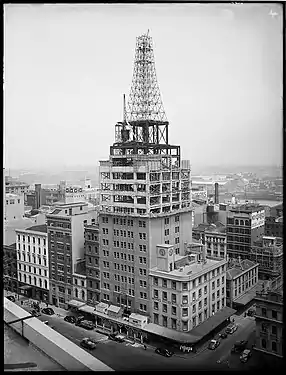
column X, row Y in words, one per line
column 87, row 309
column 211, row 323
column 25, row 287
column 74, row 303
column 181, row 337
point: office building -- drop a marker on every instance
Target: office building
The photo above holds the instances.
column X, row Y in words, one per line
column 241, row 283
column 91, row 235
column 213, row 236
column 186, row 290
column 33, row 262
column 245, row 225
column 145, row 192
column 269, row 319
column 14, row 186
column 66, row 247
column 268, row 252
column 14, row 207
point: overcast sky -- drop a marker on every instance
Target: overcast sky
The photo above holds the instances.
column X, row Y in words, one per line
column 66, row 67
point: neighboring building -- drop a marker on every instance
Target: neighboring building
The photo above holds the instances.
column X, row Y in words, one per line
column 268, row 252
column 79, row 282
column 274, row 226
column 277, row 211
column 213, row 236
column 14, row 207
column 33, row 261
column 241, row 282
column 91, row 235
column 145, row 192
column 269, row 319
column 66, row 247
column 10, row 268
column 14, row 186
column 245, row 225
column 186, row 290
column 11, row 226
column 74, row 194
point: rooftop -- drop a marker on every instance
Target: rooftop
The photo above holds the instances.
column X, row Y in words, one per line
column 38, row 228
column 215, row 227
column 238, row 267
column 250, row 207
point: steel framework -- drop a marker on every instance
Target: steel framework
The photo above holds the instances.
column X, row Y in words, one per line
column 144, row 129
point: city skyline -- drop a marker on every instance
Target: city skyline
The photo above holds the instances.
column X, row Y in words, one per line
column 64, row 81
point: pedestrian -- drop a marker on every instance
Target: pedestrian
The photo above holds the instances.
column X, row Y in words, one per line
column 145, row 347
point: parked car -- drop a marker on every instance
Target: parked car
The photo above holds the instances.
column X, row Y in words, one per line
column 114, row 337
column 245, row 355
column 80, row 318
column 239, row 346
column 164, row 352
column 85, row 324
column 70, row 319
column 223, row 335
column 231, row 328
column 48, row 311
column 214, row 344
column 35, row 313
column 88, row 343
column 11, row 298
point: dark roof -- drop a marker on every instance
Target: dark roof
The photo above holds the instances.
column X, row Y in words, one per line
column 38, row 228
column 239, row 267
column 208, row 325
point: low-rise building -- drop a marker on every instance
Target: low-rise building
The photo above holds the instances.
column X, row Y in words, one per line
column 269, row 319
column 14, row 186
column 186, row 290
column 268, row 252
column 33, row 262
column 213, row 236
column 14, row 207
column 79, row 281
column 241, row 282
column 10, row 268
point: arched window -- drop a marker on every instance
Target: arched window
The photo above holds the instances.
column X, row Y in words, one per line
column 20, row 276
column 40, row 283
column 30, row 280
column 35, row 280
column 236, row 222
column 241, row 222
column 46, row 284
column 76, row 292
column 263, row 343
column 246, row 222
column 82, row 294
column 25, row 278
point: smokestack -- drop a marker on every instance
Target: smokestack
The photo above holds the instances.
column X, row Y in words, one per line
column 216, row 197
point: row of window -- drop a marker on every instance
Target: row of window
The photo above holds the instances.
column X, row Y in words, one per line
column 191, row 284
column 123, row 267
column 124, row 222
column 32, row 239
column 31, row 259
column 76, row 282
column 123, row 245
column 246, row 240
column 238, row 230
column 231, row 221
column 12, row 201
column 124, row 256
column 23, row 248
column 91, row 236
column 33, row 281
column 82, row 294
column 26, row 268
column 273, row 345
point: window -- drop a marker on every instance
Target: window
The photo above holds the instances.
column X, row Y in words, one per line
column 174, row 285
column 142, row 236
column 155, row 280
column 194, row 296
column 274, row 330
column 164, row 321
column 164, row 296
column 185, row 299
column 156, row 318
column 194, row 321
column 156, row 305
column 185, row 311
column 263, row 343
column 174, row 299
column 213, row 285
column 205, row 301
column 205, row 290
column 156, row 293
column 143, row 307
column 263, row 311
column 274, row 346
column 185, row 286
column 274, row 314
column 174, row 323
column 167, row 220
column 164, row 308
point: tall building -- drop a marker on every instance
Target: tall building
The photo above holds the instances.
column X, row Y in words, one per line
column 145, row 191
column 33, row 261
column 186, row 290
column 213, row 236
column 66, row 247
column 245, row 225
column 269, row 319
column 268, row 252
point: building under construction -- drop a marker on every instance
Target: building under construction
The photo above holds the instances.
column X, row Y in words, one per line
column 145, row 191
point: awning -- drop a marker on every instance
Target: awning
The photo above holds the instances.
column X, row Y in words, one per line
column 211, row 323
column 26, row 287
column 74, row 303
column 87, row 309
column 171, row 334
column 114, row 309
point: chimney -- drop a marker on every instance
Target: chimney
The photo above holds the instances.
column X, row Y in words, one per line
column 216, row 197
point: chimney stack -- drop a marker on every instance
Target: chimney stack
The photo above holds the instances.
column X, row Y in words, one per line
column 216, row 197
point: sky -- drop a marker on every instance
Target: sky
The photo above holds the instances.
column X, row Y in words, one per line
column 66, row 68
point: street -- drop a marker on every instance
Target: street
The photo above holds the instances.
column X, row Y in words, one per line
column 124, row 356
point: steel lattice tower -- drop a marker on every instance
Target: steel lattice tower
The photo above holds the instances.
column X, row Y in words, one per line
column 144, row 129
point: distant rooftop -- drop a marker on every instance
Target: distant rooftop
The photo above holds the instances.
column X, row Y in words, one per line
column 38, row 228
column 216, row 227
column 236, row 268
column 246, row 207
